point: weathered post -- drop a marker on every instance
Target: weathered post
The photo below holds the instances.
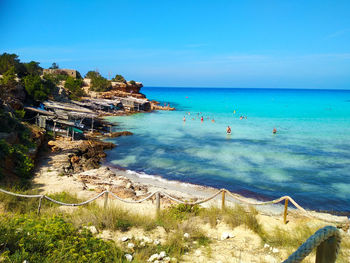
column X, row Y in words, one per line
column 106, row 200
column 327, row 251
column 39, row 207
column 285, row 210
column 158, row 202
column 223, row 199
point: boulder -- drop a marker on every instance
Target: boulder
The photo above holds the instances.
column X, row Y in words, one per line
column 118, row 134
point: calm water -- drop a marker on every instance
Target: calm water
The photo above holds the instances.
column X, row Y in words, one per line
column 308, row 159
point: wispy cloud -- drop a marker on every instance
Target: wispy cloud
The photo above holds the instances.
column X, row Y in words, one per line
column 339, row 33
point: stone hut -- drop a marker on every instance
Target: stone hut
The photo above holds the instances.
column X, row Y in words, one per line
column 69, row 72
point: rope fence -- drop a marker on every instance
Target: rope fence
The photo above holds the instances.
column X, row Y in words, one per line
column 159, row 194
column 326, row 240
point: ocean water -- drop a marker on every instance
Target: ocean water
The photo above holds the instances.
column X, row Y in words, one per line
column 308, row 158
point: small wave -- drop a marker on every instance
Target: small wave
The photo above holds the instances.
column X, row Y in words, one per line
column 158, row 178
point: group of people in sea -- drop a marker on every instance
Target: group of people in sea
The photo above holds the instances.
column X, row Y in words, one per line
column 228, row 129
column 201, row 118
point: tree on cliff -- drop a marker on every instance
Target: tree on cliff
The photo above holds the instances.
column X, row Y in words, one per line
column 119, row 78
column 39, row 89
column 75, row 88
column 54, row 66
column 8, row 83
column 98, row 83
column 33, row 68
column 11, row 60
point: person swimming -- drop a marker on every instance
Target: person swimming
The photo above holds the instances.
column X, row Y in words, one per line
column 184, row 119
column 202, row 119
column 274, row 131
column 228, row 130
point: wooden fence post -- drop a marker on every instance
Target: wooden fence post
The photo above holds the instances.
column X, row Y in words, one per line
column 39, row 207
column 158, row 202
column 106, row 200
column 285, row 210
column 326, row 251
column 223, row 199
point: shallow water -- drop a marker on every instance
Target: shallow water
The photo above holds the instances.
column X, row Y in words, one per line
column 308, row 158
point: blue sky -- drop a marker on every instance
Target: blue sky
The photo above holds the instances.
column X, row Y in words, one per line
column 253, row 44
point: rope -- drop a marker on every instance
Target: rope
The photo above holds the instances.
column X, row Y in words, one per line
column 79, row 204
column 20, row 195
column 315, row 240
column 132, row 201
column 235, row 196
column 193, row 203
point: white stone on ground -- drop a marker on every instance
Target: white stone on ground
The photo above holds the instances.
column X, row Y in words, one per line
column 92, row 229
column 131, row 245
column 128, row 257
column 186, row 235
column 124, row 239
column 226, row 235
column 162, row 255
column 153, row 257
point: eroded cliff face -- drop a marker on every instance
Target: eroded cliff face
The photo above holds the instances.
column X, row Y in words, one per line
column 127, row 87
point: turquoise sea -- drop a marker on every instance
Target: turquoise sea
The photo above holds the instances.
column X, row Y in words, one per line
column 308, row 158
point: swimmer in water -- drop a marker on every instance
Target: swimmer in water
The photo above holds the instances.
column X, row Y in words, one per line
column 212, row 120
column 202, row 118
column 184, row 119
column 228, row 130
column 274, row 131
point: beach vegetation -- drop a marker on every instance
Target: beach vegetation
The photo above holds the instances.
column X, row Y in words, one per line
column 119, row 78
column 132, row 82
column 51, row 239
column 112, row 218
column 233, row 216
column 176, row 221
column 75, row 88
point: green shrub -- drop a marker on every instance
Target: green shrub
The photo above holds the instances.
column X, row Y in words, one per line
column 75, row 88
column 119, row 78
column 183, row 211
column 39, row 89
column 51, row 239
